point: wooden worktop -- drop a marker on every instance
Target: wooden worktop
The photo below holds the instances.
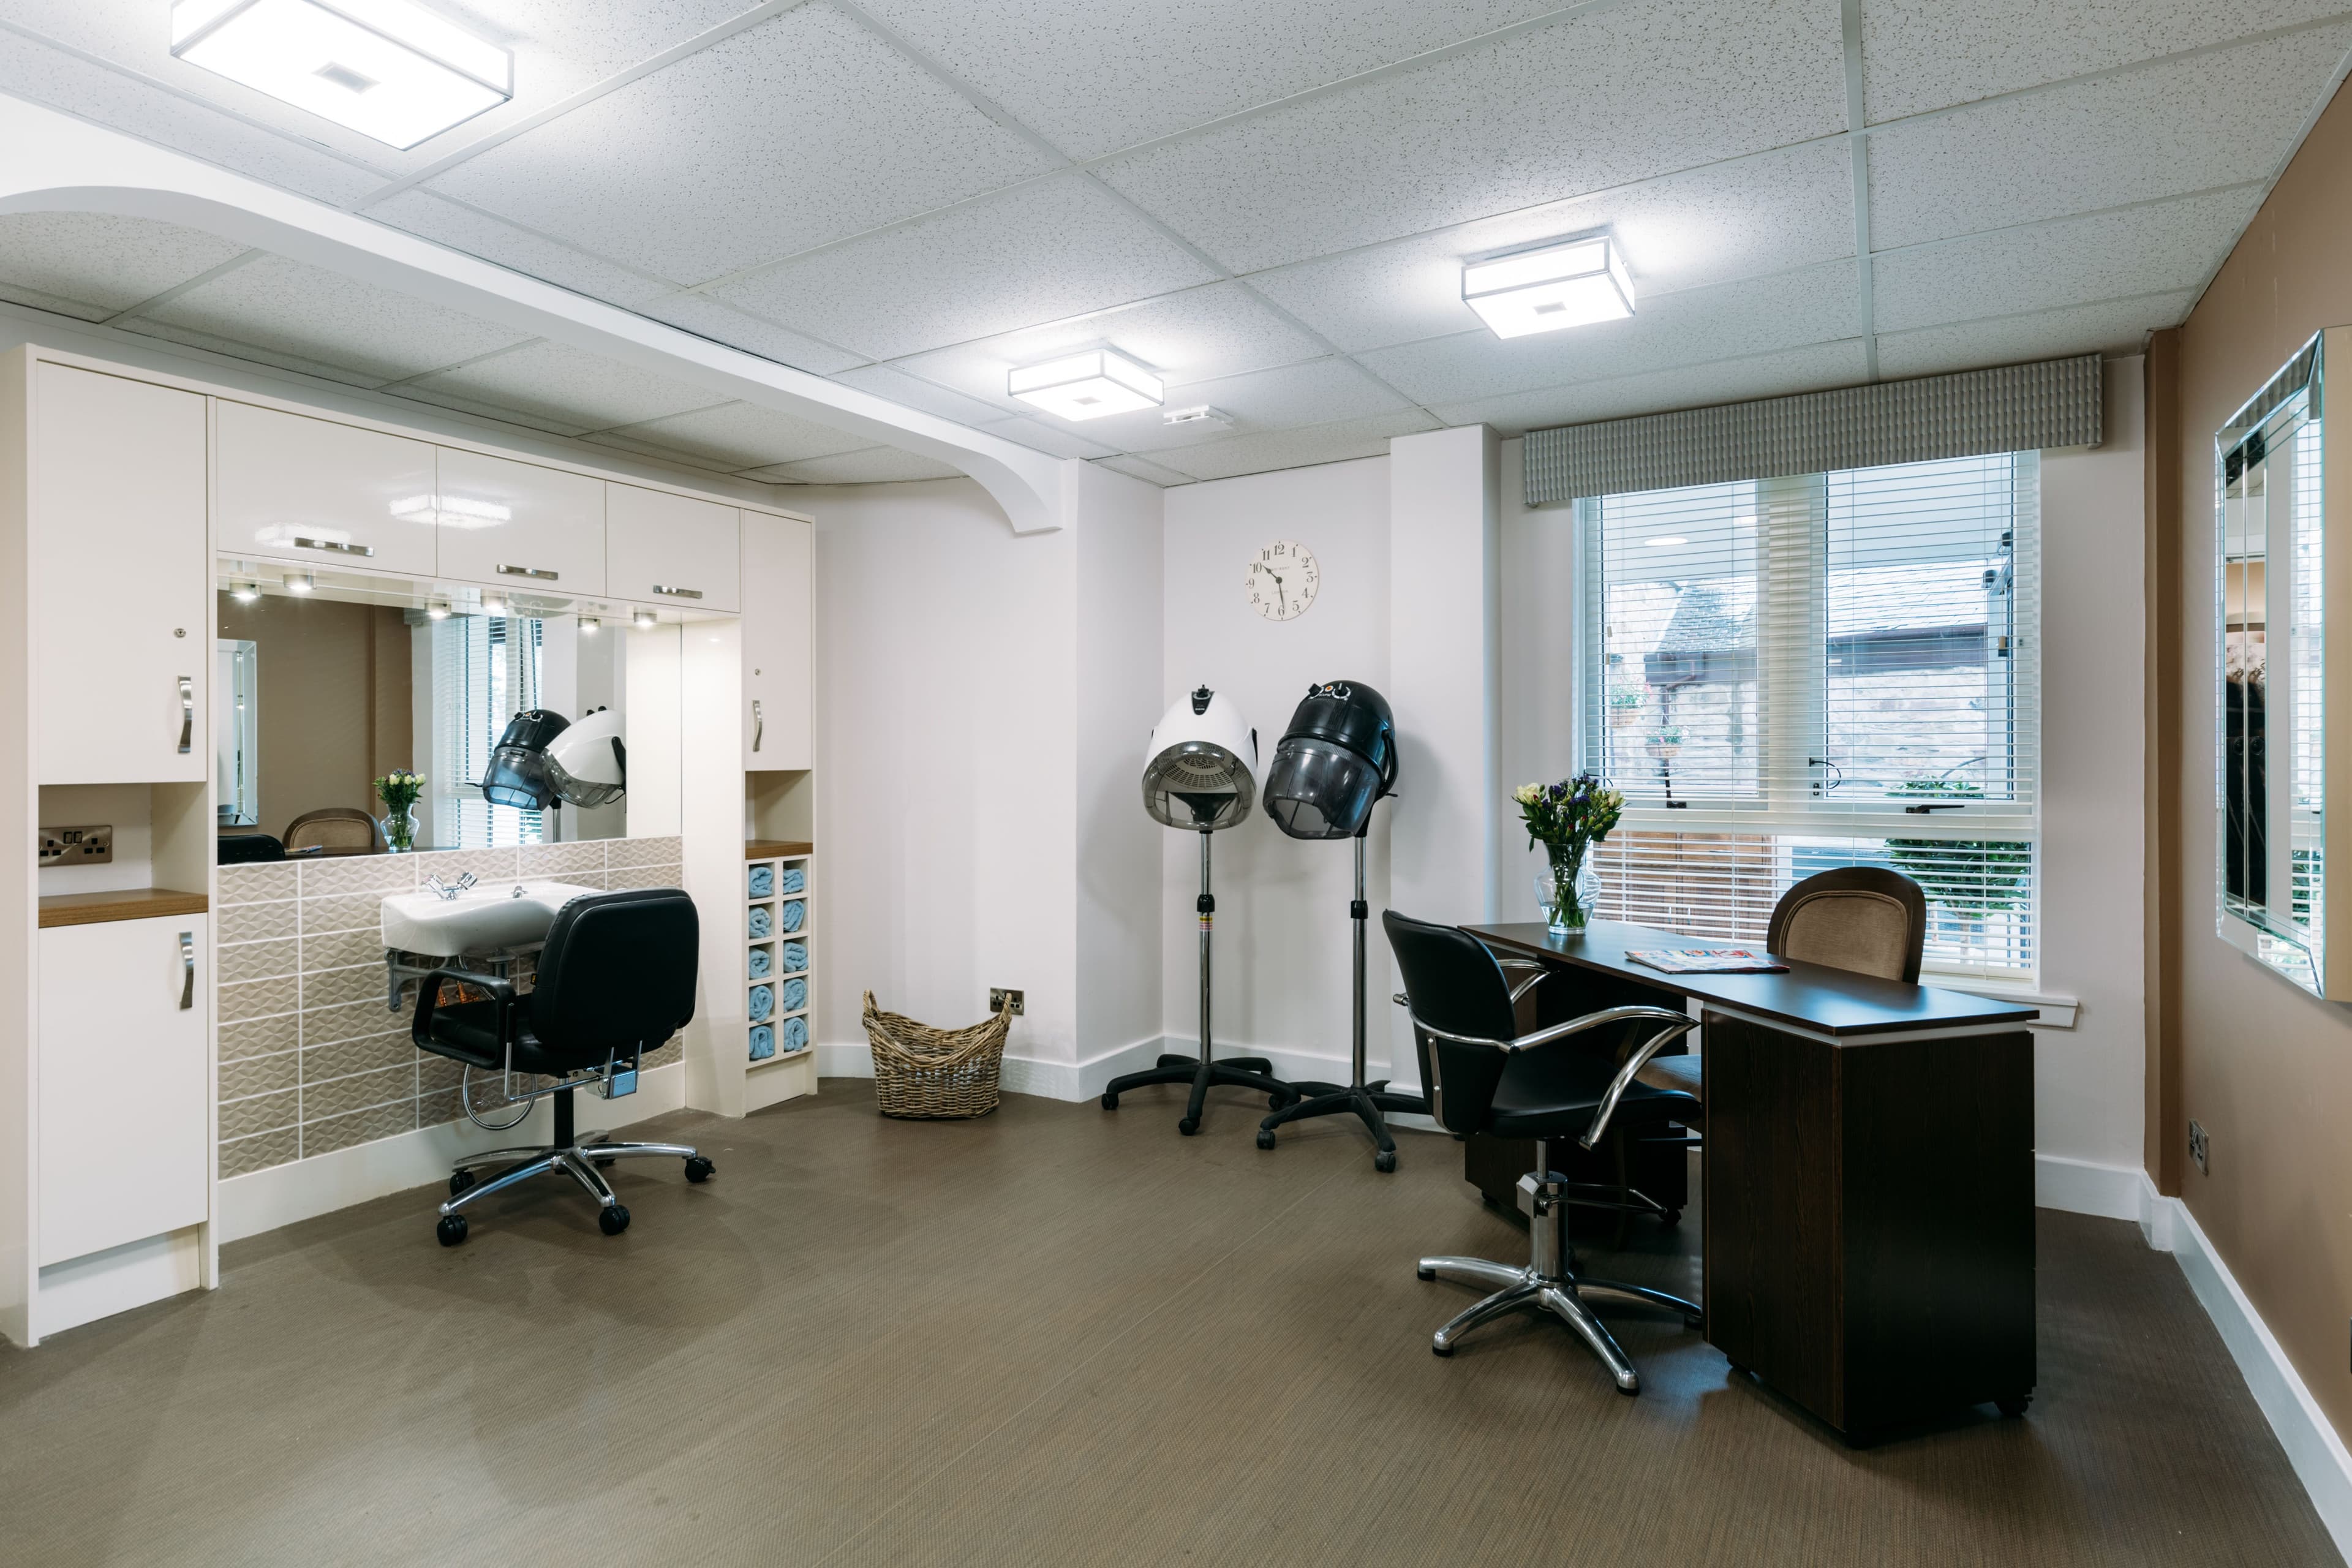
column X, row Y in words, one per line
column 777, row 848
column 130, row 904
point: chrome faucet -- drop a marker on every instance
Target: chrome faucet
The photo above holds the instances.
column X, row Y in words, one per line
column 449, row 891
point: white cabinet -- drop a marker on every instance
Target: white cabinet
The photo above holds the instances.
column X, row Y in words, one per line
column 779, row 583
column 125, row 1083
column 291, row 487
column 521, row 526
column 664, row 549
column 122, row 581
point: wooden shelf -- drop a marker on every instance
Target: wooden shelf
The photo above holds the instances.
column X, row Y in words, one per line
column 777, row 848
column 132, row 904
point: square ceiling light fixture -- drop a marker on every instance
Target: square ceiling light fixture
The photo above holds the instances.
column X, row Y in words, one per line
column 387, row 69
column 1088, row 385
column 1571, row 284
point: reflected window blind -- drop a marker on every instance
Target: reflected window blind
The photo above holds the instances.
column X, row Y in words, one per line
column 1792, row 674
column 486, row 670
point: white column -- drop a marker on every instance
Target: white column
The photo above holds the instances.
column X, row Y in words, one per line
column 1444, row 664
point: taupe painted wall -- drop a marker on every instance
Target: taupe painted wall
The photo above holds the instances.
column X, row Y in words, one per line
column 334, row 700
column 2263, row 1066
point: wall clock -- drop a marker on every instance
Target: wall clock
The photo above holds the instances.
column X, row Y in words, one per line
column 1282, row 580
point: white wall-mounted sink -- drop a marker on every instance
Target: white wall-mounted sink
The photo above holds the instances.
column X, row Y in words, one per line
column 485, row 916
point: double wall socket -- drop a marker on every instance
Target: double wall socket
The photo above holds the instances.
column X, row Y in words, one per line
column 997, row 995
column 78, row 846
column 2198, row 1149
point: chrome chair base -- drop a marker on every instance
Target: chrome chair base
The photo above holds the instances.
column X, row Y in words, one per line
column 581, row 1160
column 1549, row 1282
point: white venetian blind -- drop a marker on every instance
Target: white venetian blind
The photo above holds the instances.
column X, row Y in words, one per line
column 1792, row 674
column 486, row 670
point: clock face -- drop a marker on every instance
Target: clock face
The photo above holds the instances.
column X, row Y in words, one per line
column 1282, row 580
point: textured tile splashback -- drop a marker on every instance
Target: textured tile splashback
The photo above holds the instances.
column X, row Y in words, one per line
column 311, row 1060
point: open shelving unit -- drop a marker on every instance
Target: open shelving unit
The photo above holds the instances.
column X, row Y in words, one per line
column 779, row 885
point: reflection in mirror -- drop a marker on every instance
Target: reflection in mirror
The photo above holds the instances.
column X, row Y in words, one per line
column 361, row 690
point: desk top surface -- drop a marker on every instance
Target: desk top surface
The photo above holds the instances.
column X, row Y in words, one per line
column 1810, row 996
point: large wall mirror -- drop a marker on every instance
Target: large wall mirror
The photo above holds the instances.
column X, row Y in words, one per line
column 2273, row 471
column 326, row 690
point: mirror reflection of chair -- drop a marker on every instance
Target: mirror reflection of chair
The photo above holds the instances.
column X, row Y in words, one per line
column 335, row 830
column 1546, row 1085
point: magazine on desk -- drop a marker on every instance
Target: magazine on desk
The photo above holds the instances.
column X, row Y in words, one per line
column 1707, row 961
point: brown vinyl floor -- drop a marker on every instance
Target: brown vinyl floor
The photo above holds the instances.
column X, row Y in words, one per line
column 1062, row 1336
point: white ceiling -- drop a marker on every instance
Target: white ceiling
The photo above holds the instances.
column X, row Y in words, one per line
column 1266, row 201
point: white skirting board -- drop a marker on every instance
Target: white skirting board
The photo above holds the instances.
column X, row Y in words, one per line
column 1087, row 1080
column 305, row 1189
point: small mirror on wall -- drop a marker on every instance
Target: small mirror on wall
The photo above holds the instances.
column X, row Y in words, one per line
column 2275, row 580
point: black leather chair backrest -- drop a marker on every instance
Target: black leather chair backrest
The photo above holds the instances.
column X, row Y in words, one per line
column 617, row 973
column 1454, row 984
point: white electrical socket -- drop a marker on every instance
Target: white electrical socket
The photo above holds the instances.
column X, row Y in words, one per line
column 2199, row 1148
column 996, row 999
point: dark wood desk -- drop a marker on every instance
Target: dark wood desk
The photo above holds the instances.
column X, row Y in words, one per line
column 1868, row 1176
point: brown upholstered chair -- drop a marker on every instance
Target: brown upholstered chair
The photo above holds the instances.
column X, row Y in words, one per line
column 336, row 830
column 1862, row 917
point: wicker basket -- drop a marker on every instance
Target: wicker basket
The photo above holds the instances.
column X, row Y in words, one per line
column 935, row 1073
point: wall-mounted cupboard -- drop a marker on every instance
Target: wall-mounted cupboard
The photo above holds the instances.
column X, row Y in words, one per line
column 519, row 525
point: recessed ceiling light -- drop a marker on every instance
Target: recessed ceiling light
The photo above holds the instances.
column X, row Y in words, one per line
column 1666, row 541
column 1200, row 414
column 1551, row 287
column 387, row 69
column 492, row 605
column 300, row 581
column 245, row 593
column 436, row 612
column 644, row 620
column 1087, row 385
column 590, row 625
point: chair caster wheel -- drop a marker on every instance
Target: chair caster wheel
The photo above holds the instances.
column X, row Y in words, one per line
column 2013, row 1408
column 1110, row 1102
column 1384, row 1160
column 459, row 1183
column 1275, row 1102
column 451, row 1230
column 1265, row 1137
column 1188, row 1127
column 698, row 1170
column 613, row 1221
column 605, row 1164
column 1436, row 1349
column 1671, row 1218
column 1424, row 1273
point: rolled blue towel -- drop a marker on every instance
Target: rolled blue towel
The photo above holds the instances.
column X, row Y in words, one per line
column 792, row 915
column 763, row 880
column 795, row 880
column 796, row 1033
column 763, row 1002
column 795, row 957
column 795, row 996
column 762, row 961
column 763, row 922
column 763, row 1042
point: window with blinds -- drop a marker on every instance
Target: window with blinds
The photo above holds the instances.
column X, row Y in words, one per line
column 1793, row 674
column 486, row 670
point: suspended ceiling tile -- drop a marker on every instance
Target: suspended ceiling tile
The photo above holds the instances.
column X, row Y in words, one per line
column 1760, row 315
column 2149, row 249
column 1037, row 253
column 1812, row 369
column 1322, row 391
column 875, row 466
column 1055, row 437
column 565, row 384
column 96, row 264
column 506, row 414
column 1218, row 329
column 1256, row 454
column 429, row 216
column 249, row 353
column 1094, row 76
column 707, row 318
column 800, row 131
column 2115, row 326
column 1919, row 55
column 1777, row 210
column 45, row 75
column 1144, row 468
column 912, row 392
column 292, row 308
column 2217, row 119
column 1609, row 98
column 741, row 436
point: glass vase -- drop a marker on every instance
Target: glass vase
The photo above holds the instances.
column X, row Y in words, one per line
column 1567, row 891
column 400, row 829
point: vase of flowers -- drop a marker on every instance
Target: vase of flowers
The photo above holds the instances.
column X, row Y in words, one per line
column 399, row 790
column 1568, row 819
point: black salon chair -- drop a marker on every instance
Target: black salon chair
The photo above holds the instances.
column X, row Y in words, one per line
column 615, row 980
column 1547, row 1086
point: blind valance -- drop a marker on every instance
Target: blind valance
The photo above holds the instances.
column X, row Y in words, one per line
column 2009, row 408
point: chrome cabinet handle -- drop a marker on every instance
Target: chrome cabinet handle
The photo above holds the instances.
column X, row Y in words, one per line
column 188, row 963
column 337, row 546
column 678, row 593
column 544, row 576
column 187, row 713
column 758, row 724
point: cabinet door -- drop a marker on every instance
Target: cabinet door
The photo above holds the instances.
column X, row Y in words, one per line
column 779, row 585
column 122, row 581
column 125, row 1083
column 661, row 549
column 296, row 489
column 517, row 525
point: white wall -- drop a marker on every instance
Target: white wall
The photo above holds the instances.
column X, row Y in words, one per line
column 1537, row 684
column 1283, row 968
